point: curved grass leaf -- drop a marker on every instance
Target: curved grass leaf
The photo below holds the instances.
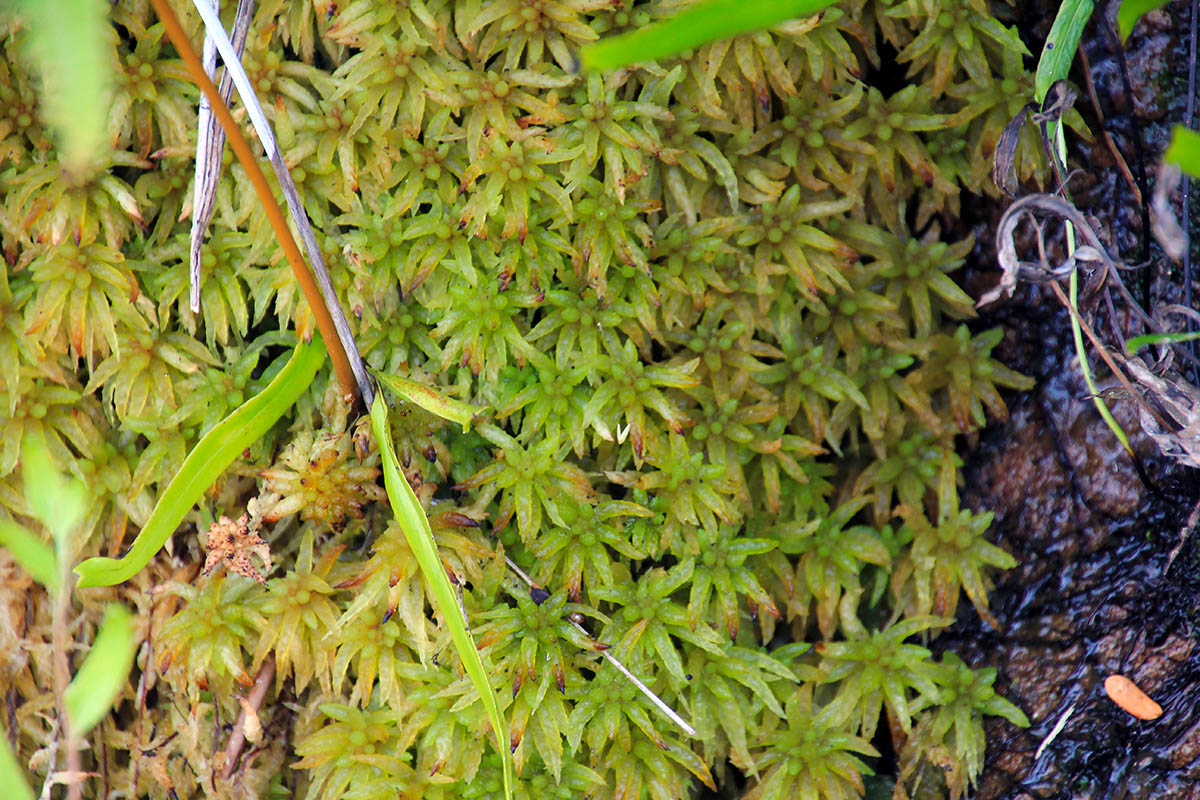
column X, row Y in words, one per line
column 700, row 24
column 412, row 519
column 206, row 462
column 105, row 671
column 432, row 401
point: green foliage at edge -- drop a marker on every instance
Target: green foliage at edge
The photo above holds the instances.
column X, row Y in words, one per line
column 716, row 19
column 1131, row 11
column 11, row 775
column 1184, row 150
column 69, row 43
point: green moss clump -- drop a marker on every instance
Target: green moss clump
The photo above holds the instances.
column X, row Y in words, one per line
column 707, row 303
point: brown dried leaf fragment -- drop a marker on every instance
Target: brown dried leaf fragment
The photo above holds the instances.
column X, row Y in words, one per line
column 232, row 543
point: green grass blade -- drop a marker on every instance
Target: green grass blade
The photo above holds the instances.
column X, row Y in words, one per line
column 700, row 24
column 206, row 462
column 104, row 672
column 35, row 556
column 1131, row 11
column 1138, row 342
column 432, row 401
column 12, row 777
column 1053, row 65
column 412, row 519
column 69, row 43
column 1056, row 58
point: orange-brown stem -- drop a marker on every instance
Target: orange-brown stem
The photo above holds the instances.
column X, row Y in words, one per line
column 241, row 148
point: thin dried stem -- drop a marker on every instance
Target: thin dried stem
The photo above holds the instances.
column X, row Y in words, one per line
column 262, row 682
column 1186, row 532
column 241, row 148
column 610, row 658
column 210, row 143
column 299, row 216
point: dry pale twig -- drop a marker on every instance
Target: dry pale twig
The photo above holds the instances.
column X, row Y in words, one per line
column 237, row 738
column 1188, row 527
column 210, row 143
column 610, row 658
column 1163, row 224
column 246, row 92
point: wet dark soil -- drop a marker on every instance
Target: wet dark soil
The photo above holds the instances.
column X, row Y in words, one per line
column 1092, row 595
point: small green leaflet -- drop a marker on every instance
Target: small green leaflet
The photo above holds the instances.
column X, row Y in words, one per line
column 59, row 504
column 1184, row 150
column 1138, row 342
column 35, row 556
column 1131, row 11
column 104, row 672
column 700, row 24
column 208, row 459
column 1056, row 58
column 432, row 401
column 414, row 523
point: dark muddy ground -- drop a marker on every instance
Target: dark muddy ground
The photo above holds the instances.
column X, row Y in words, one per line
column 1092, row 595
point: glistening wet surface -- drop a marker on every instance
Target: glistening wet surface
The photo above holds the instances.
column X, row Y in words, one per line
column 1089, row 599
column 1092, row 595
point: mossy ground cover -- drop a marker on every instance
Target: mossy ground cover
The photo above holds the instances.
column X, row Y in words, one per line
column 706, row 301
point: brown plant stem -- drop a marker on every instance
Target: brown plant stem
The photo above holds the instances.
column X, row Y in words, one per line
column 62, row 679
column 341, row 362
column 262, row 681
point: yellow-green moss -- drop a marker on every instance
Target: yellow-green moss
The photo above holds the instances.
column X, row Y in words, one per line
column 707, row 303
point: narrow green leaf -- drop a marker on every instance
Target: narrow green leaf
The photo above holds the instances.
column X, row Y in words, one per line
column 104, row 672
column 1184, row 150
column 412, row 519
column 700, row 24
column 57, row 503
column 206, row 462
column 12, row 777
column 69, row 41
column 432, row 401
column 35, row 556
column 1131, row 11
column 1138, row 342
column 1056, row 58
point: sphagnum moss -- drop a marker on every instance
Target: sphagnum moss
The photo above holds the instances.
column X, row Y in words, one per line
column 707, row 303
